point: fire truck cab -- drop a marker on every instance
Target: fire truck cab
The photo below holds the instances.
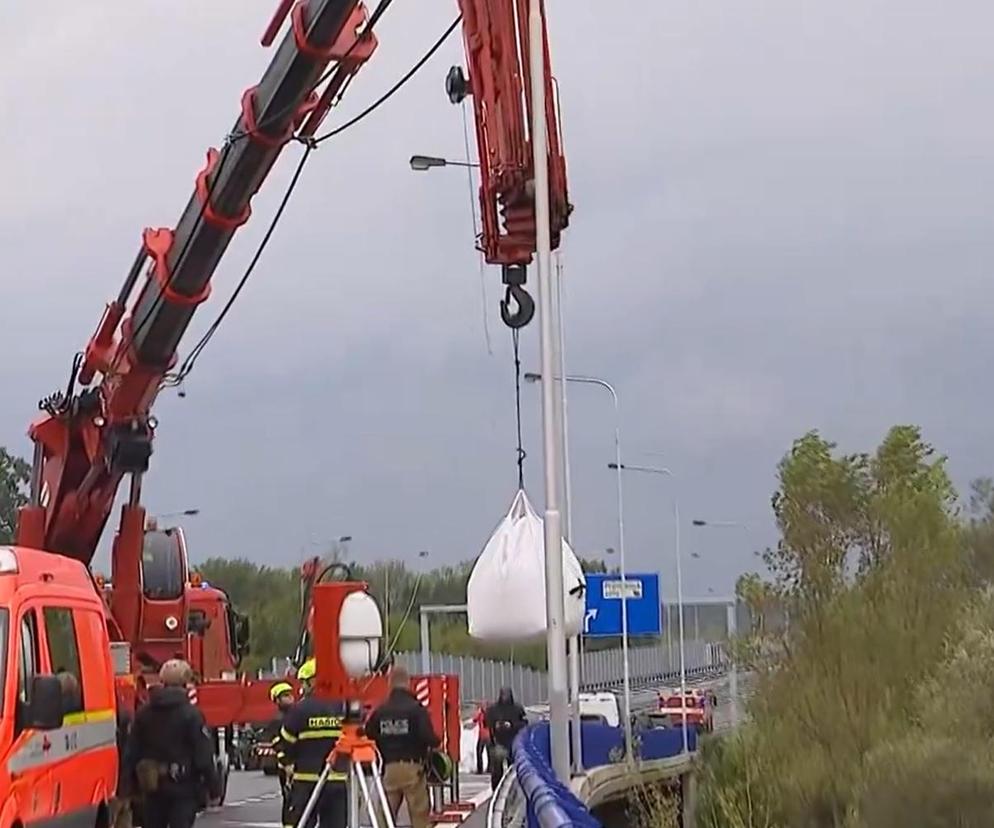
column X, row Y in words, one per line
column 58, row 751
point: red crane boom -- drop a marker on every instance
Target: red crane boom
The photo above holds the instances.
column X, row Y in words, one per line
column 100, row 429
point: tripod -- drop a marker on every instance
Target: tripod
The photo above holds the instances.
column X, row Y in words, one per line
column 359, row 754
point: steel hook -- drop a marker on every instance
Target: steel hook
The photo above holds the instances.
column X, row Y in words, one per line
column 525, row 311
column 514, row 277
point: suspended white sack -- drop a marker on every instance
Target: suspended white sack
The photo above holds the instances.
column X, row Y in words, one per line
column 505, row 596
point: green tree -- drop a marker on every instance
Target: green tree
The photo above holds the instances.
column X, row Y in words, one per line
column 871, row 564
column 14, row 476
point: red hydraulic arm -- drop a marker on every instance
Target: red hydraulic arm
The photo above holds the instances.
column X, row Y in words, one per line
column 89, row 439
column 496, row 40
column 100, row 429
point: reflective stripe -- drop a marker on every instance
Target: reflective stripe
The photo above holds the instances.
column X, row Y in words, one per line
column 287, row 735
column 320, row 734
column 96, row 730
column 87, row 716
column 334, row 776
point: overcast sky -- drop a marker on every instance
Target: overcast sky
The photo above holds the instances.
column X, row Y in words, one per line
column 784, row 220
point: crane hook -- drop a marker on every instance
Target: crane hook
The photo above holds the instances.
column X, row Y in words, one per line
column 514, row 279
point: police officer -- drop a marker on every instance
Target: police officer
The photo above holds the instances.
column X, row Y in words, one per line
column 505, row 719
column 170, row 752
column 281, row 695
column 404, row 734
column 310, row 731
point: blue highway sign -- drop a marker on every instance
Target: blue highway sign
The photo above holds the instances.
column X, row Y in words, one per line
column 603, row 612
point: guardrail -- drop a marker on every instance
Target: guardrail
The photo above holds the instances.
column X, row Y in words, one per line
column 551, row 804
column 506, row 806
column 670, row 677
column 600, row 785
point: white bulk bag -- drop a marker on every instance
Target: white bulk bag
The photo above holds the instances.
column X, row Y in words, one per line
column 505, row 596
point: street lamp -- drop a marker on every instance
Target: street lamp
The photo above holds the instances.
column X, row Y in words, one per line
column 184, row 513
column 719, row 524
column 619, row 467
column 421, row 163
column 626, row 669
column 731, row 621
column 152, row 521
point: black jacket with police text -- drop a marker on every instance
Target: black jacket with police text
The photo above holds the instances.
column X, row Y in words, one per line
column 310, row 731
column 402, row 728
column 172, row 732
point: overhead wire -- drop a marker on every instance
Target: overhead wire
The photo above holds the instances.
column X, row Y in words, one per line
column 191, row 359
column 517, row 406
column 310, row 144
column 472, row 209
column 230, row 141
column 400, row 627
column 395, row 88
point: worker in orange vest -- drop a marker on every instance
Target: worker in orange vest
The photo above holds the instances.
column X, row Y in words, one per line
column 482, row 737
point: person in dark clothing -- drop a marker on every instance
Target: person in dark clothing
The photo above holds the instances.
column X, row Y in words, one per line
column 310, row 731
column 282, row 696
column 120, row 805
column 170, row 753
column 404, row 734
column 505, row 719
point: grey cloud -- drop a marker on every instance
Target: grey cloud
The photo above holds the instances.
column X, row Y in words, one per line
column 783, row 221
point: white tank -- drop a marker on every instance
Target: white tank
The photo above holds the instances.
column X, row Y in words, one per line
column 360, row 628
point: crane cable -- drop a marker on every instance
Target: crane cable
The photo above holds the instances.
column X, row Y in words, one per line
column 310, row 144
column 517, row 406
column 230, row 140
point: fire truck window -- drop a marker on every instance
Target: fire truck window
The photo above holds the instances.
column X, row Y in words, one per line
column 63, row 652
column 162, row 573
column 28, row 665
column 27, row 662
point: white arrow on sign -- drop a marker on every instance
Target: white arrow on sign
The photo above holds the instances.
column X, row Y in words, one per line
column 591, row 616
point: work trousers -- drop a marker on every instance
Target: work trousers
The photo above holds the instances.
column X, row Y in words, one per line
column 332, row 809
column 405, row 782
column 120, row 813
column 482, row 747
column 499, row 758
column 169, row 810
column 286, row 813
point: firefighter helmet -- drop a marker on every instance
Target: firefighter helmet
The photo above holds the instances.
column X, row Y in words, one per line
column 307, row 670
column 279, row 689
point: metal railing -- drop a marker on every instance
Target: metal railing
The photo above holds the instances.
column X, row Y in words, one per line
column 482, row 678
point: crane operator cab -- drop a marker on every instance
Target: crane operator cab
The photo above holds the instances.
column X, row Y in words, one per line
column 58, row 751
column 183, row 613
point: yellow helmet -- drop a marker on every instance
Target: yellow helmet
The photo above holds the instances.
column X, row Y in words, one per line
column 279, row 689
column 307, row 670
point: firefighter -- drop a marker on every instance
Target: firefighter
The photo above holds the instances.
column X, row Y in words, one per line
column 310, row 731
column 170, row 752
column 505, row 719
column 281, row 695
column 404, row 735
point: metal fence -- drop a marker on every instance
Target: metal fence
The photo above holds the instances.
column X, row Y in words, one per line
column 482, row 678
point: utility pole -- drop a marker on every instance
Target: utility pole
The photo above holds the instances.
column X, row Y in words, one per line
column 551, row 437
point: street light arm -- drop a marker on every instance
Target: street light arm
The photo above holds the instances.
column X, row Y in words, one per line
column 719, row 524
column 646, row 470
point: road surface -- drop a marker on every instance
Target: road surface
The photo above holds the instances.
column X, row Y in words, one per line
column 253, row 801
